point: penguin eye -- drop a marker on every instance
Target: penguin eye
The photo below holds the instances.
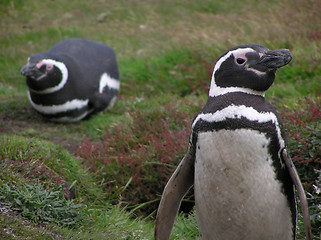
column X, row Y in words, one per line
column 49, row 67
column 240, row 60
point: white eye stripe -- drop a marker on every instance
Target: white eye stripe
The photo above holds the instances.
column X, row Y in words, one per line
column 39, row 65
column 64, row 72
column 238, row 53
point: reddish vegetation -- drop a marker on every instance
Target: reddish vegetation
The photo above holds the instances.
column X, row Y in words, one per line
column 32, row 169
column 315, row 35
column 303, row 132
column 206, row 69
column 148, row 150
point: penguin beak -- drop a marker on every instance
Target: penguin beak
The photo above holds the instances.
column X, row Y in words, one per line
column 30, row 70
column 276, row 59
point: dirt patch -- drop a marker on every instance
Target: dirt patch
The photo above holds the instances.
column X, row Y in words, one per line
column 23, row 120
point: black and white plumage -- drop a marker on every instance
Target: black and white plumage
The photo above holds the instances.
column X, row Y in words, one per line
column 237, row 158
column 74, row 79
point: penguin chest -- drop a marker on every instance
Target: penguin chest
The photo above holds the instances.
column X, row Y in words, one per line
column 237, row 195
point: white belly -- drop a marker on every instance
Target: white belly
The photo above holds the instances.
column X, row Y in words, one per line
column 237, row 195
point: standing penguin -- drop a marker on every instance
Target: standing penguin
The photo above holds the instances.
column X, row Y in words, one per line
column 237, row 159
column 74, row 79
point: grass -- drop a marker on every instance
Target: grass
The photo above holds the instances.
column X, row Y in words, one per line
column 166, row 51
column 37, row 158
column 13, row 227
column 40, row 205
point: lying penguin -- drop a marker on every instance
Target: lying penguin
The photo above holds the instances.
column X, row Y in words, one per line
column 74, row 79
column 237, row 160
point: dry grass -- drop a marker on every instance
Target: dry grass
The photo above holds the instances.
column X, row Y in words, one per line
column 145, row 29
column 145, row 24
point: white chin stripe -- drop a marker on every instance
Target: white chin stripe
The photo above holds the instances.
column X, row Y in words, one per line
column 237, row 52
column 54, row 109
column 64, row 72
column 106, row 80
column 217, row 91
column 236, row 112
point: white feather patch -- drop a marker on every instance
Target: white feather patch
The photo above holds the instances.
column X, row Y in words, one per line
column 111, row 103
column 237, row 195
column 70, row 119
column 64, row 72
column 236, row 112
column 106, row 80
column 257, row 72
column 217, row 91
column 53, row 109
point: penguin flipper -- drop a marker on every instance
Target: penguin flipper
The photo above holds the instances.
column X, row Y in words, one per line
column 100, row 101
column 298, row 185
column 176, row 188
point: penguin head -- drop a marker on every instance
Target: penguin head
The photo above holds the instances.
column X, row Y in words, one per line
column 247, row 68
column 44, row 75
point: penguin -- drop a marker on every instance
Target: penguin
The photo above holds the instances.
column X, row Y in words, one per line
column 237, row 157
column 75, row 79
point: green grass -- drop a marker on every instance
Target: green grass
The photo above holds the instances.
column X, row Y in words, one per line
column 40, row 205
column 166, row 52
column 14, row 227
